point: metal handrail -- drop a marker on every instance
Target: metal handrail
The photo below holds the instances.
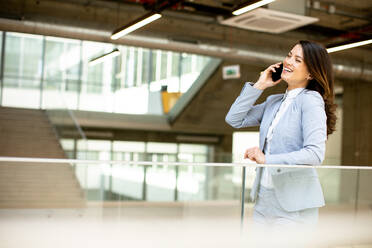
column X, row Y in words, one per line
column 90, row 162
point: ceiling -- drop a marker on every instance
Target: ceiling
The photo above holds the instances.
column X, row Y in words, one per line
column 339, row 20
column 194, row 26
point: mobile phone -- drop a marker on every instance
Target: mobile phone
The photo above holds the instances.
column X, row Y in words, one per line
column 277, row 74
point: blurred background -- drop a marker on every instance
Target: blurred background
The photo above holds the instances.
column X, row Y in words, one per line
column 78, row 87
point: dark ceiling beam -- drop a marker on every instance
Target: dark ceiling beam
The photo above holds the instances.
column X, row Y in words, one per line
column 108, row 15
column 207, row 10
column 161, row 5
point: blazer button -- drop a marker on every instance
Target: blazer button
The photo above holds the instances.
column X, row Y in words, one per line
column 279, row 170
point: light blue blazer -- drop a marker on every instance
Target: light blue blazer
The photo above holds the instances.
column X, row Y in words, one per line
column 298, row 139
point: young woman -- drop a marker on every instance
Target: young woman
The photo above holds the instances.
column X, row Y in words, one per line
column 293, row 130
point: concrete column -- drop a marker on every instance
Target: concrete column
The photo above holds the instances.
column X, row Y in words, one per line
column 356, row 187
column 357, row 124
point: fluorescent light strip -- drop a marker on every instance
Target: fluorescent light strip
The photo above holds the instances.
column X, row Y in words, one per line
column 104, row 57
column 347, row 46
column 135, row 26
column 251, row 6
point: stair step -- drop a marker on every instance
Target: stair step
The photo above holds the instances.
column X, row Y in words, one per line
column 19, row 185
column 26, row 172
column 8, row 133
column 52, row 179
column 55, row 204
column 31, row 142
column 63, row 190
column 29, row 133
column 33, row 165
column 34, row 194
column 29, row 123
column 15, row 110
column 46, row 197
column 31, row 151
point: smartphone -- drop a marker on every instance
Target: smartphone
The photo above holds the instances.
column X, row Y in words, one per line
column 277, row 75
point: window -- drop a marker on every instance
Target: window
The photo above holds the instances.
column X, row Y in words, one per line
column 22, row 70
column 49, row 72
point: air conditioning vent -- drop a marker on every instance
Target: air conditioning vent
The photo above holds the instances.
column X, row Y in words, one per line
column 269, row 21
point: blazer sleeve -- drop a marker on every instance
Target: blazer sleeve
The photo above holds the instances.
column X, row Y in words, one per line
column 242, row 113
column 314, row 129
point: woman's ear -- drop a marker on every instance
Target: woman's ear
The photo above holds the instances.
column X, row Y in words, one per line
column 309, row 77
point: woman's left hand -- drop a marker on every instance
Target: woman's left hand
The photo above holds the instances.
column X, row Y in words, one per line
column 255, row 154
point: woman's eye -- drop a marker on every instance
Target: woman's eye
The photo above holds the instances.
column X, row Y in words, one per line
column 299, row 61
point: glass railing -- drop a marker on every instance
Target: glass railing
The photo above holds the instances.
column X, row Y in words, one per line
column 63, row 119
column 183, row 198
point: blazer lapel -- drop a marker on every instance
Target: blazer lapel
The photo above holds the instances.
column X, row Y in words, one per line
column 270, row 119
column 263, row 134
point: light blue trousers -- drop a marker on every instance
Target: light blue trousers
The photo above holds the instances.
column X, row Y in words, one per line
column 275, row 227
column 268, row 212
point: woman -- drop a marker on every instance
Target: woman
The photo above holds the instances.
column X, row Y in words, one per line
column 293, row 130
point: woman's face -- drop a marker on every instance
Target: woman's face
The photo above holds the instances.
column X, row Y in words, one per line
column 295, row 72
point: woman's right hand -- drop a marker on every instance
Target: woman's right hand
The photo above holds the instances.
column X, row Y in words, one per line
column 265, row 80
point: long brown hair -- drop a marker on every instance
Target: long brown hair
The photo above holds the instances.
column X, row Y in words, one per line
column 319, row 66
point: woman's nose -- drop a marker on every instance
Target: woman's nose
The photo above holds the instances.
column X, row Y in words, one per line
column 288, row 62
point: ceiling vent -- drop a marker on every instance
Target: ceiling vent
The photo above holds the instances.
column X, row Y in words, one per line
column 269, row 21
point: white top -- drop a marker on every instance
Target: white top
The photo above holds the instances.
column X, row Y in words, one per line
column 288, row 97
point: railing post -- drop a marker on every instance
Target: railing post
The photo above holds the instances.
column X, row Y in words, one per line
column 242, row 199
column 144, row 185
column 2, row 58
column 356, row 195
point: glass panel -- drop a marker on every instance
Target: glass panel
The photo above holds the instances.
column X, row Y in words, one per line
column 158, row 147
column 193, row 153
column 160, row 183
column 131, row 96
column 134, row 58
column 61, row 73
column 129, row 83
column 67, row 144
column 116, row 75
column 197, row 200
column 186, row 63
column 164, row 65
column 96, row 93
column 156, row 183
column 175, row 64
column 174, row 81
column 129, row 151
column 145, row 66
column 347, row 211
column 192, row 66
column 193, row 148
column 22, row 70
column 129, row 146
column 201, row 62
column 155, row 65
column 130, row 69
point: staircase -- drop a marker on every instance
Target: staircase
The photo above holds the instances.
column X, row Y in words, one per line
column 28, row 133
